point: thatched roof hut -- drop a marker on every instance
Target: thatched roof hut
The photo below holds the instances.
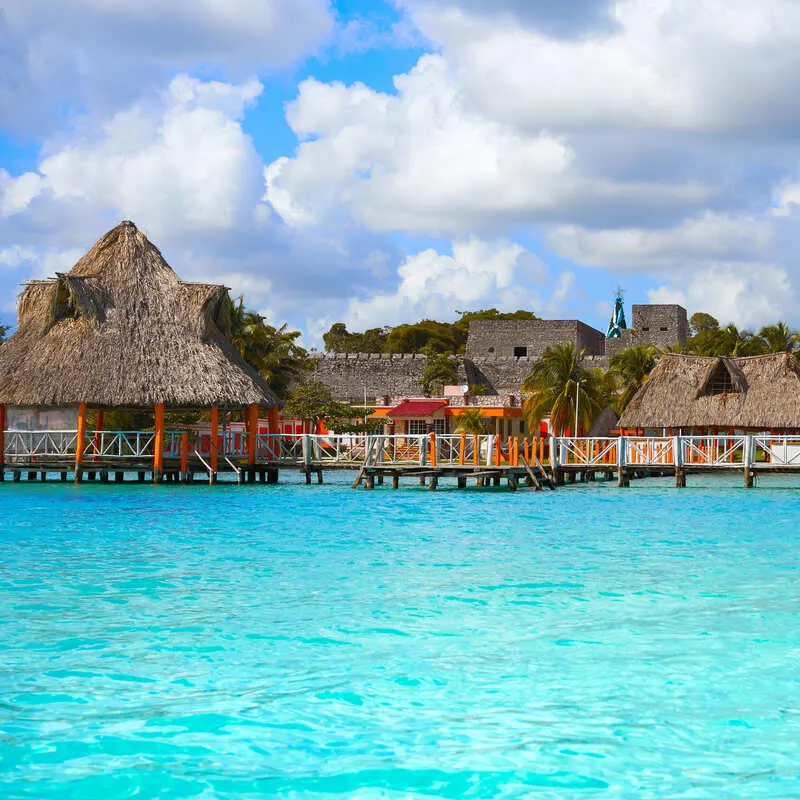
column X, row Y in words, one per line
column 689, row 392
column 121, row 330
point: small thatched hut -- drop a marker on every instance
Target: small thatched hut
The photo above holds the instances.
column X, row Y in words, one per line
column 693, row 394
column 122, row 331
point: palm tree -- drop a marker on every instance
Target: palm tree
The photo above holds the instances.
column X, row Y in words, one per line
column 273, row 352
column 632, row 368
column 471, row 421
column 779, row 338
column 553, row 385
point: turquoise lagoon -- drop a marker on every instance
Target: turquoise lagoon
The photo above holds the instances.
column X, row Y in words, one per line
column 293, row 641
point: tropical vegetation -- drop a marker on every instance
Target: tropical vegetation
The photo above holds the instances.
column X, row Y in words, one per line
column 559, row 382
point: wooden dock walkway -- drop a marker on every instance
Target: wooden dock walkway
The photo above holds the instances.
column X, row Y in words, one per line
column 191, row 457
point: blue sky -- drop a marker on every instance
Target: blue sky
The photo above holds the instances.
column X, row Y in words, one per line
column 377, row 161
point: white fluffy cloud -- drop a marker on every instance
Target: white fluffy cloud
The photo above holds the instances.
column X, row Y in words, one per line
column 750, row 295
column 180, row 163
column 425, row 160
column 105, row 53
column 664, row 64
column 434, row 285
column 707, row 237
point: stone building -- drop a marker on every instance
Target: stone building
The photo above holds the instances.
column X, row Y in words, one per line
column 529, row 338
column 499, row 355
column 661, row 325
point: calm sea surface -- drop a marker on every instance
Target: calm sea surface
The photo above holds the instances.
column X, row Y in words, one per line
column 293, row 641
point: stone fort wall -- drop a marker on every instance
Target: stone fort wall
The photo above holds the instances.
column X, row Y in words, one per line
column 530, row 337
column 490, row 354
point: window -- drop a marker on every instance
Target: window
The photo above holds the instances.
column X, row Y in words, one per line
column 522, row 426
column 665, row 328
column 645, row 329
column 520, row 352
column 719, row 381
column 491, row 349
column 439, row 426
column 417, row 427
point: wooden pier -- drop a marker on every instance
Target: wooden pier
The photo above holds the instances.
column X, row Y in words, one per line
column 190, row 457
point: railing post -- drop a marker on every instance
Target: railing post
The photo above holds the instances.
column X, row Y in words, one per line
column 423, row 451
column 623, row 480
column 677, row 459
column 462, row 446
column 252, row 428
column 306, row 444
column 489, row 450
column 749, row 459
column 434, row 454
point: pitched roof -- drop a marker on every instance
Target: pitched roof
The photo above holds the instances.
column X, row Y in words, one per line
column 417, row 408
column 122, row 330
column 760, row 392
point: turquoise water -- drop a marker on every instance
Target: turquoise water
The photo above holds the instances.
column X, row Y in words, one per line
column 293, row 641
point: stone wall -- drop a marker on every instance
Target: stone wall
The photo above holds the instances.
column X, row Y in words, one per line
column 660, row 325
column 529, row 338
column 347, row 375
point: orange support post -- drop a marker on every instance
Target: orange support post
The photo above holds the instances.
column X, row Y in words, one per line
column 158, row 443
column 252, row 427
column 432, row 454
column 80, row 443
column 516, row 451
column 185, row 454
column 541, row 449
column 214, row 438
column 462, row 446
column 497, row 451
column 525, row 449
column 476, row 447
column 272, row 417
column 2, row 439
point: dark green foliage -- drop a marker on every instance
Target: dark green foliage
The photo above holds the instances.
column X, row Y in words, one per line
column 312, row 402
column 274, row 352
column 440, row 371
column 427, row 336
column 4, row 329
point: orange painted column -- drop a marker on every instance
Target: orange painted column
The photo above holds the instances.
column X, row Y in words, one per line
column 272, row 418
column 475, row 449
column 525, row 449
column 497, row 450
column 462, row 446
column 184, row 454
column 80, row 444
column 252, row 428
column 158, row 443
column 214, row 438
column 432, row 457
column 2, row 440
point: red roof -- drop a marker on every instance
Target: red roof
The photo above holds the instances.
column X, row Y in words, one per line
column 417, row 408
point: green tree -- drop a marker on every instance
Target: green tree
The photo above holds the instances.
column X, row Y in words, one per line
column 702, row 322
column 552, row 386
column 440, row 371
column 312, row 402
column 339, row 340
column 273, row 352
column 631, row 368
column 425, row 336
column 778, row 338
column 471, row 421
column 4, row 329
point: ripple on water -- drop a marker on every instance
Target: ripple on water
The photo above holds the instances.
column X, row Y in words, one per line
column 318, row 642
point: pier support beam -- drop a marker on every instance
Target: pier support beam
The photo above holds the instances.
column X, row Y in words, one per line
column 680, row 478
column 369, row 481
column 422, row 480
column 512, row 483
column 623, row 479
column 80, row 442
column 462, row 481
column 158, row 443
column 395, row 480
column 749, row 478
column 434, row 483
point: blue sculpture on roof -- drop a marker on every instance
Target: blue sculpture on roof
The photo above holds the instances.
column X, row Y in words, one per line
column 617, row 324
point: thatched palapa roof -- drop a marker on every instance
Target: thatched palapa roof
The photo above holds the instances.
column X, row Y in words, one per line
column 122, row 330
column 760, row 392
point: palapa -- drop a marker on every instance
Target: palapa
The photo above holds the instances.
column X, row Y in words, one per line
column 757, row 393
column 121, row 330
